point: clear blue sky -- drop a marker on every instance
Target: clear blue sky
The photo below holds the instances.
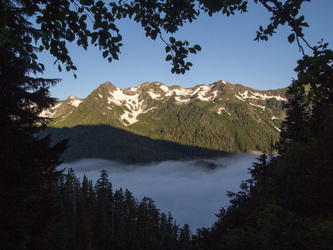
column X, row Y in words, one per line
column 228, row 53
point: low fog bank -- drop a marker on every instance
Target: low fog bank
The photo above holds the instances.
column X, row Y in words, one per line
column 194, row 191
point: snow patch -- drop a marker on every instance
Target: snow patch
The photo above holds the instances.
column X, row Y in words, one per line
column 180, row 99
column 240, row 98
column 249, row 94
column 184, row 95
column 131, row 102
column 45, row 113
column 277, row 128
column 203, row 90
column 214, row 95
column 246, row 95
column 76, row 102
column 154, row 96
column 48, row 113
column 220, row 111
column 57, row 105
column 119, row 98
column 134, row 89
column 256, row 105
column 182, row 92
column 164, row 88
column 131, row 116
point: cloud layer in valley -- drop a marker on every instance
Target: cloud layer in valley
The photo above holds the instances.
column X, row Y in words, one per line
column 193, row 191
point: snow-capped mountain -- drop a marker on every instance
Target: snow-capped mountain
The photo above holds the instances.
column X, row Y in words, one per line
column 219, row 116
column 140, row 100
column 62, row 108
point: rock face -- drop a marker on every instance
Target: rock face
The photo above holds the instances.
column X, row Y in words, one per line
column 219, row 116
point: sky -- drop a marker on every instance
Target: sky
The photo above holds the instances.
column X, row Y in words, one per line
column 229, row 53
column 190, row 192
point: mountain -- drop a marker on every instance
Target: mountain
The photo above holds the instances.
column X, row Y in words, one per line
column 219, row 117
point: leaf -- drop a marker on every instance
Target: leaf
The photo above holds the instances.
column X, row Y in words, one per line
column 115, row 55
column 172, row 40
column 179, row 43
column 192, row 50
column 153, row 34
column 168, row 58
column 197, row 47
column 34, row 56
column 28, row 48
column 167, row 49
column 291, row 38
column 27, row 39
column 305, row 24
column 112, row 26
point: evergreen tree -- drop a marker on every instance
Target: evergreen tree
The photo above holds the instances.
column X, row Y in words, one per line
column 66, row 217
column 185, row 238
column 104, row 199
column 117, row 220
column 85, row 216
column 294, row 128
column 130, row 215
column 27, row 164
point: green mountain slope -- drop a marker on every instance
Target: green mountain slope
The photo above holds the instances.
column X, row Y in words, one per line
column 220, row 116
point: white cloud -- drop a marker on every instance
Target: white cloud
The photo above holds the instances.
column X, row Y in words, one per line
column 192, row 192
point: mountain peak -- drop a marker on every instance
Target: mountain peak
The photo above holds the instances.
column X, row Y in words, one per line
column 130, row 103
column 237, row 117
column 107, row 86
column 73, row 100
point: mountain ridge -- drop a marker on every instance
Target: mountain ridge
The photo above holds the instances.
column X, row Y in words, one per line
column 220, row 116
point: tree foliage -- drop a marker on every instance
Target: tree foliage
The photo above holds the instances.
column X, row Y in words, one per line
column 54, row 24
column 294, row 128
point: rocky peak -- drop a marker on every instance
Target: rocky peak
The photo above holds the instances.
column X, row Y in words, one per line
column 73, row 100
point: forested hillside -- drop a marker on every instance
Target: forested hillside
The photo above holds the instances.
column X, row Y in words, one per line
column 107, row 142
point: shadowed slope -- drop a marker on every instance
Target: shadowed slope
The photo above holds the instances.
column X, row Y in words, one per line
column 106, row 142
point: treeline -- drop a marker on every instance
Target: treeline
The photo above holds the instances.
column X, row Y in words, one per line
column 97, row 217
